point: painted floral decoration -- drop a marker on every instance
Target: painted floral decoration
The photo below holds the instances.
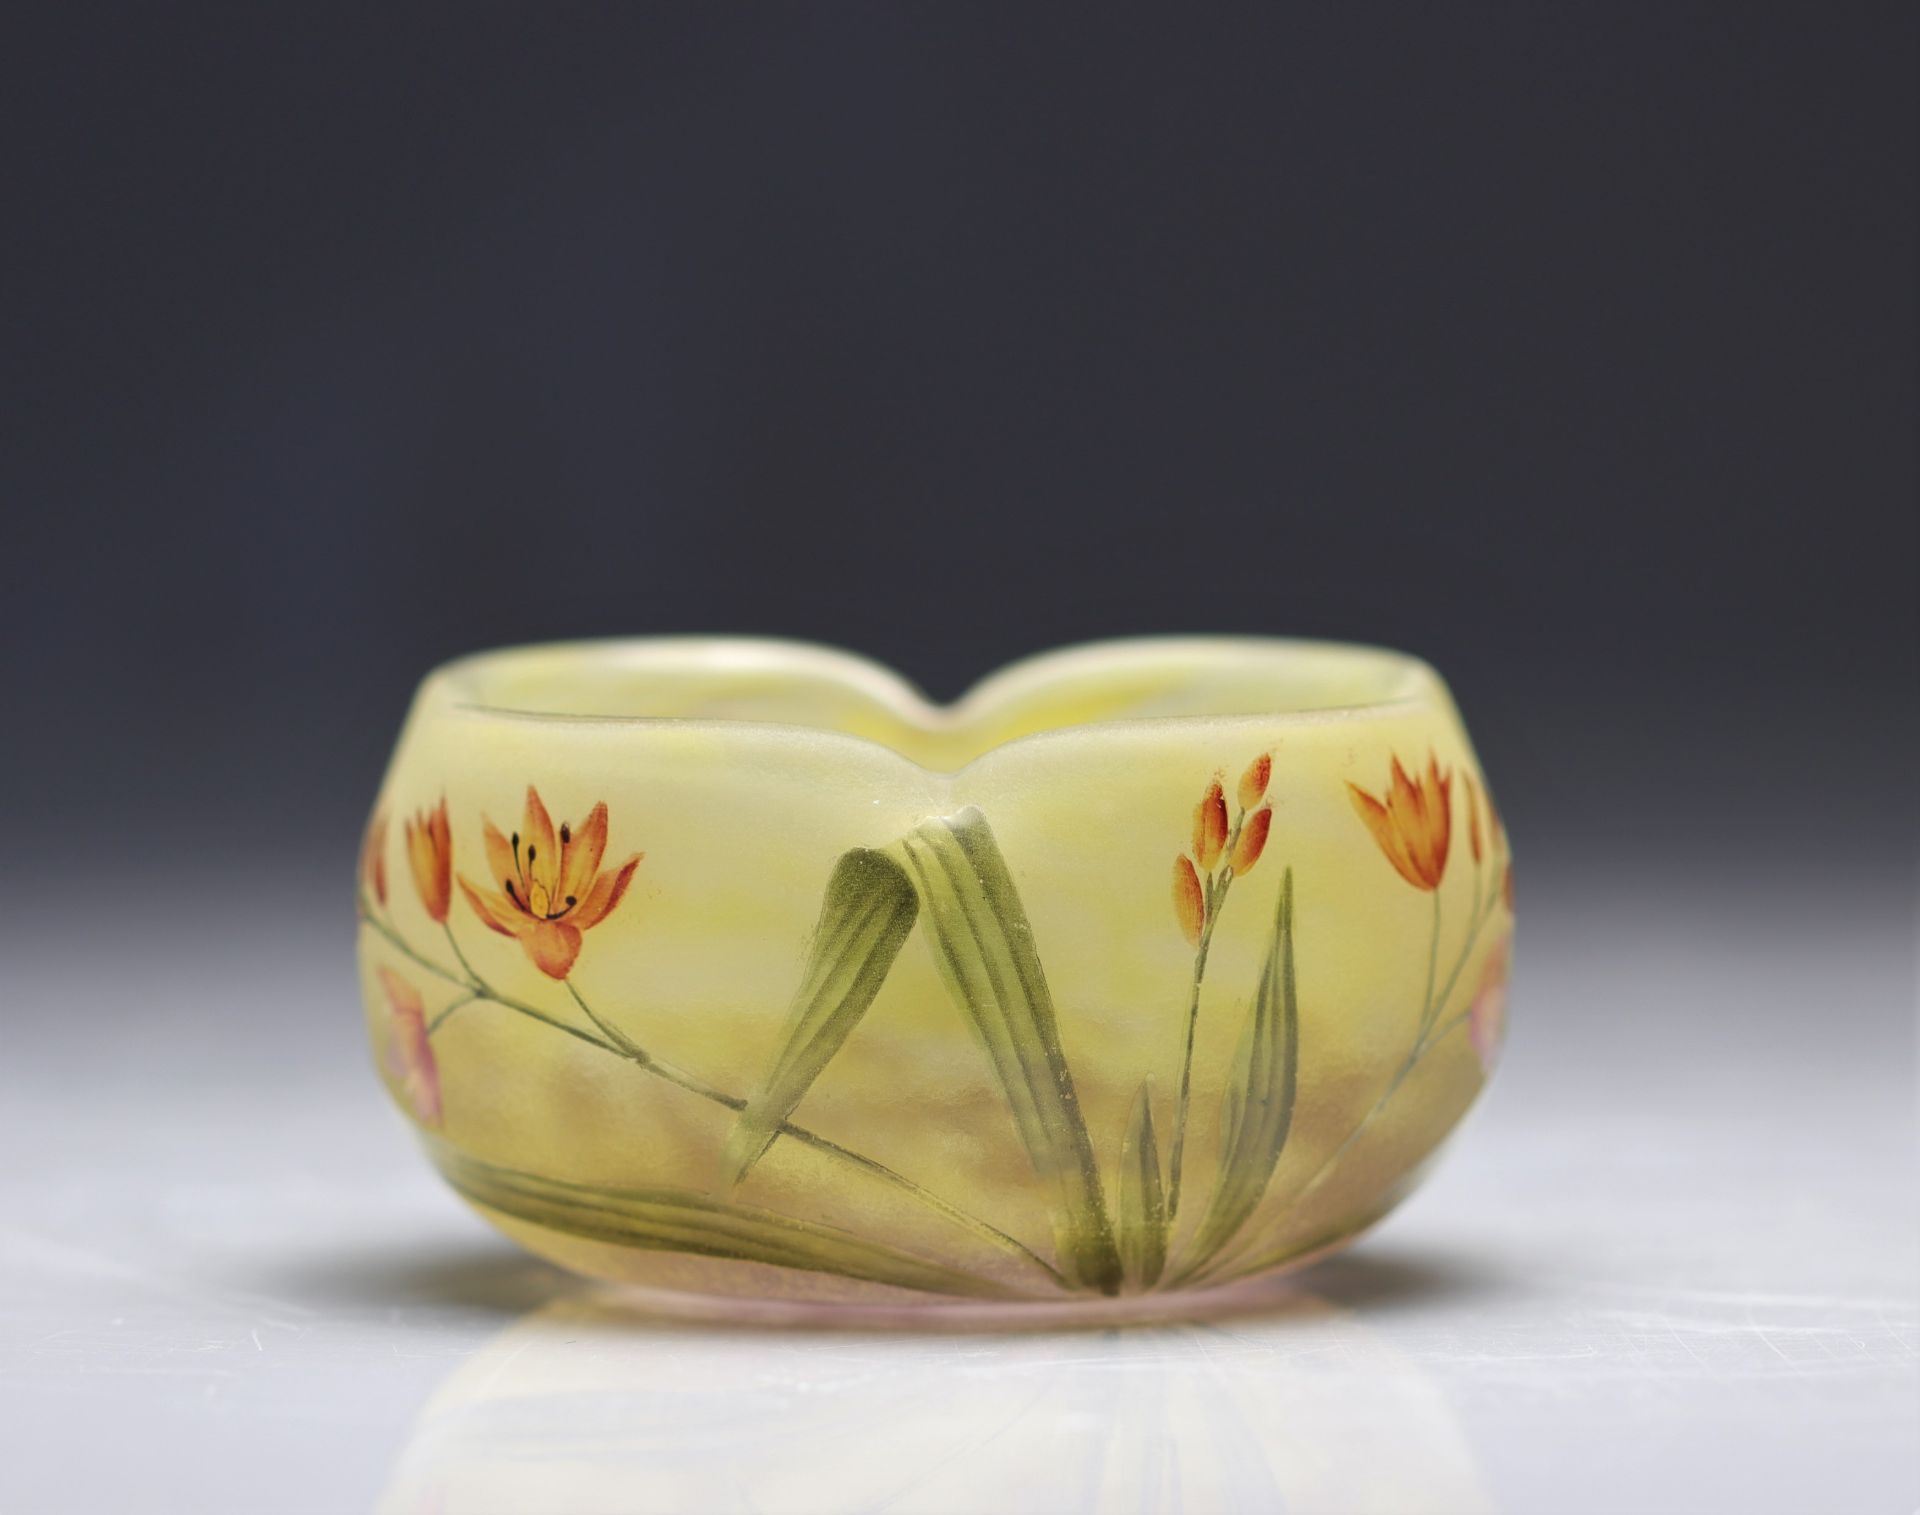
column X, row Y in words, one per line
column 1222, row 851
column 373, row 857
column 1189, row 903
column 1487, row 1014
column 1240, row 842
column 430, row 856
column 551, row 886
column 1413, row 824
column 947, row 876
column 1413, row 827
column 410, row 1061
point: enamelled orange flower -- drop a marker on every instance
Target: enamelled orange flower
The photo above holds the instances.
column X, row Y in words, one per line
column 430, row 855
column 1253, row 841
column 551, row 888
column 1189, row 904
column 1254, row 824
column 373, row 857
column 1253, row 783
column 410, row 1060
column 1496, row 841
column 1209, row 827
column 1413, row 824
column 1212, row 839
column 1487, row 1014
column 1497, row 829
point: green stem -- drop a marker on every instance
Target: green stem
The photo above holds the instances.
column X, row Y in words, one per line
column 406, row 949
column 1425, row 1039
column 1481, row 914
column 1179, row 1148
column 441, row 1019
column 612, row 1033
column 622, row 1047
column 1216, row 896
column 459, row 956
column 1439, row 1032
column 1433, row 962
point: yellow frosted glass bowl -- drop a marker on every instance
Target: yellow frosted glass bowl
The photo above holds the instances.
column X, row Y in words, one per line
column 735, row 970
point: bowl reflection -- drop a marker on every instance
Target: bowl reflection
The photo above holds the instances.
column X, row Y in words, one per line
column 586, row 1405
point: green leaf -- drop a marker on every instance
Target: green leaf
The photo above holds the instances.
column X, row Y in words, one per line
column 983, row 946
column 1142, row 1220
column 682, row 1220
column 1233, row 1106
column 865, row 918
column 1257, row 1110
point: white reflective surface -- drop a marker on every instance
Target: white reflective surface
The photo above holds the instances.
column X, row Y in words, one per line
column 1670, row 1264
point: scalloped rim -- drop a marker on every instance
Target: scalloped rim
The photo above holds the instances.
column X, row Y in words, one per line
column 1410, row 682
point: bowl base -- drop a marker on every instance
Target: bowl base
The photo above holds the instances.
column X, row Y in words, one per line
column 1274, row 1293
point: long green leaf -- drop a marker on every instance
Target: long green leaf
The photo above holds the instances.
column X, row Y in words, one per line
column 1142, row 1218
column 865, row 918
column 984, row 948
column 682, row 1220
column 1257, row 1110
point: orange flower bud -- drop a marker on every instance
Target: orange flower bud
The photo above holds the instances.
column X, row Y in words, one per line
column 1210, row 827
column 1189, row 904
column 430, row 856
column 1473, row 819
column 1253, row 783
column 373, row 857
column 1253, row 840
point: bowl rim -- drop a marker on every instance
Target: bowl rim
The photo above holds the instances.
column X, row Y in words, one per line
column 1408, row 682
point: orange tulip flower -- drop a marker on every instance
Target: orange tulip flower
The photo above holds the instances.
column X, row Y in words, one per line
column 551, row 888
column 410, row 1062
column 373, row 857
column 430, row 855
column 1413, row 824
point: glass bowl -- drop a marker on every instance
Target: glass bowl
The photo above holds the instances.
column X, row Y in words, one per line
column 735, row 970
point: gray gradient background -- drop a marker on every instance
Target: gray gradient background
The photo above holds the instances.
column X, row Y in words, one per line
column 1573, row 348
